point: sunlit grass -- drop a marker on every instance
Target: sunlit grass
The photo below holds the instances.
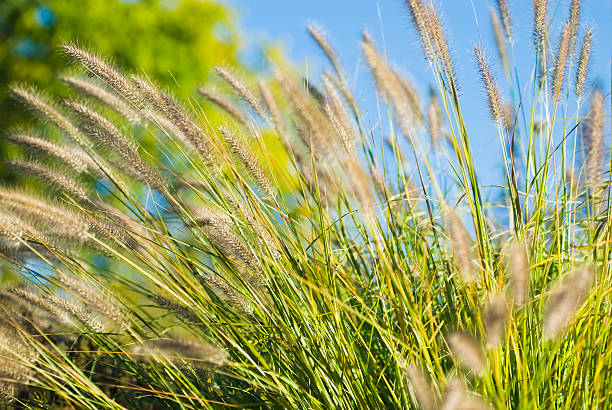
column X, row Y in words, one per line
column 196, row 268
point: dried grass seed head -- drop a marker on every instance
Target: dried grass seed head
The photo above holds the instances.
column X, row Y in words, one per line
column 56, row 219
column 227, row 293
column 108, row 135
column 275, row 113
column 574, row 19
column 434, row 117
column 592, row 133
column 47, row 110
column 106, row 72
column 225, row 104
column 82, row 315
column 500, row 42
column 456, row 397
column 518, row 266
column 504, row 12
column 583, row 62
column 493, row 94
column 495, row 317
column 336, row 112
column 75, row 158
column 560, row 62
column 468, row 351
column 178, row 118
column 565, row 299
column 312, row 120
column 60, row 179
column 461, row 245
column 540, row 22
column 388, row 85
column 93, row 298
column 421, row 388
column 197, row 354
column 243, row 90
column 250, row 162
column 104, row 96
column 223, row 237
column 181, row 311
column 320, row 38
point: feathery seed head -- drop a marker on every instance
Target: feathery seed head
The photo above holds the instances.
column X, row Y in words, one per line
column 105, row 71
column 241, row 88
column 7, row 392
column 493, row 95
column 508, row 115
column 96, row 300
column 16, row 356
column 97, row 120
column 224, row 104
column 460, row 243
column 177, row 116
column 500, row 41
column 421, row 389
column 249, row 161
column 47, row 110
column 468, row 352
column 101, row 94
column 560, row 61
column 540, row 22
column 227, row 293
column 194, row 353
column 593, row 135
column 361, row 185
column 58, row 220
column 438, row 40
column 108, row 135
column 178, row 309
column 337, row 115
column 583, row 62
column 15, row 230
column 456, row 397
column 518, row 266
column 565, row 299
column 320, row 39
column 495, row 318
column 388, row 85
column 43, row 303
column 418, row 14
column 411, row 96
column 275, row 114
column 221, row 235
column 73, row 157
column 574, row 19
column 58, row 179
column 109, row 228
column 434, row 117
column 314, row 123
column 77, row 312
column 343, row 87
column 504, row 12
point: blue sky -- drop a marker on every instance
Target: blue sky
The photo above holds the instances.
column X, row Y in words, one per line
column 467, row 21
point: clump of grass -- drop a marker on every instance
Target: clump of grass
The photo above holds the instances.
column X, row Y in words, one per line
column 323, row 267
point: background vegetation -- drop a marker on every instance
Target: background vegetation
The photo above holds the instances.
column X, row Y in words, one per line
column 175, row 42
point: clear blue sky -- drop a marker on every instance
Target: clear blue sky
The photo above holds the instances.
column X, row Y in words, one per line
column 467, row 21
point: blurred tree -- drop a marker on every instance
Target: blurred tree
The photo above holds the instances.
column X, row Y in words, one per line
column 172, row 41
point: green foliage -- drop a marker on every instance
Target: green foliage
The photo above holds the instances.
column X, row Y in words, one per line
column 175, row 42
column 168, row 40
